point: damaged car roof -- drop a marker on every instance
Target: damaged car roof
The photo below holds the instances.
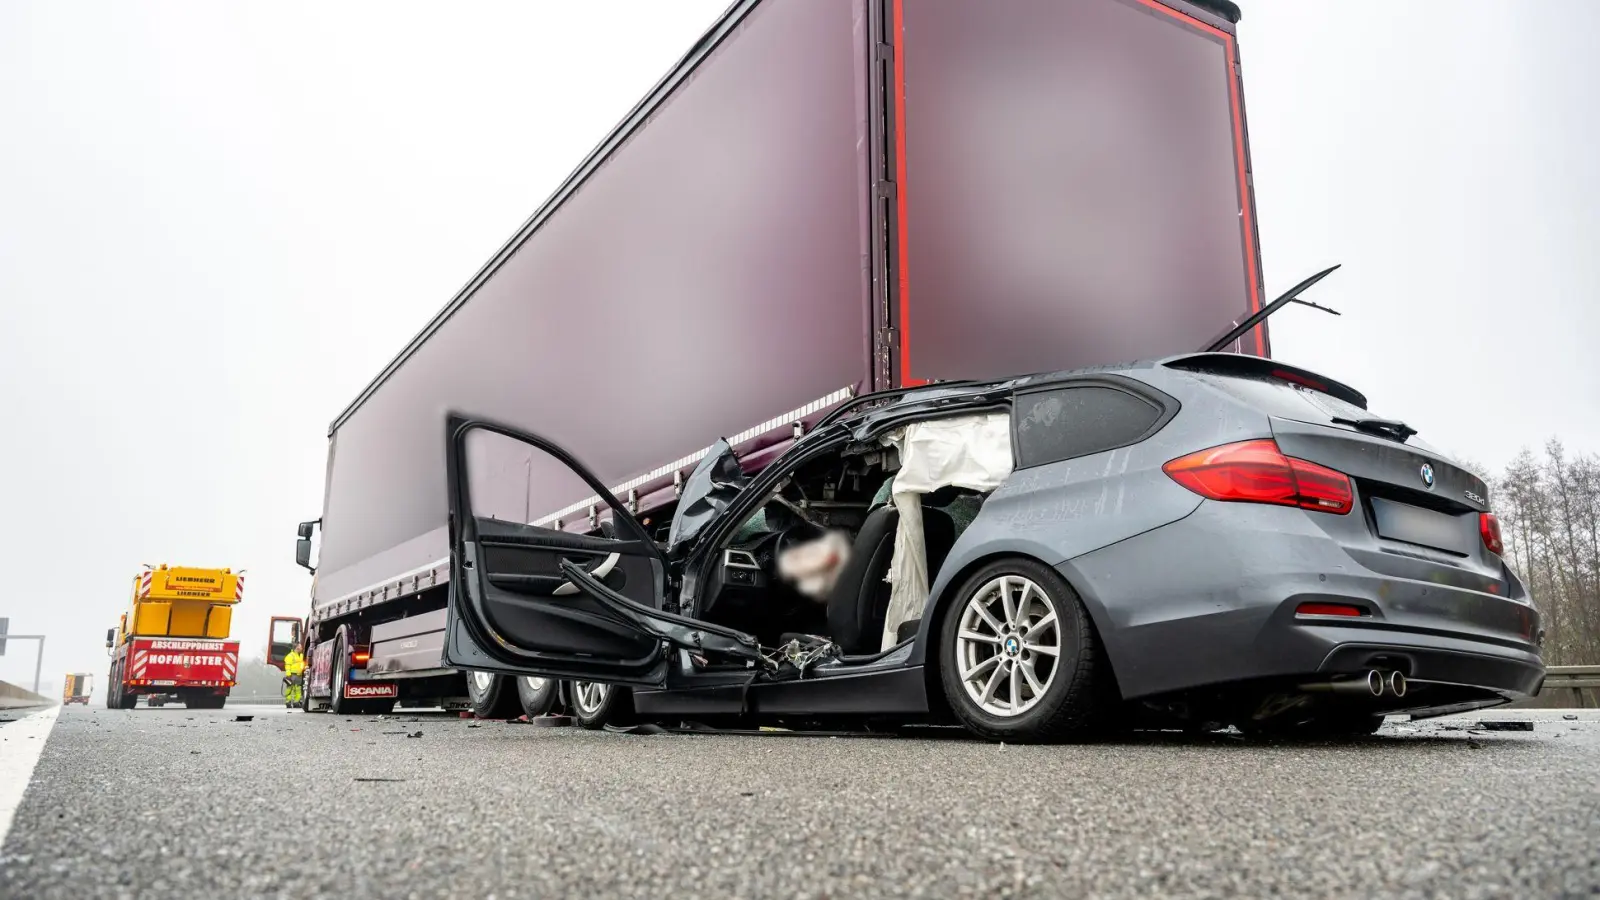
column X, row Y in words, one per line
column 869, row 414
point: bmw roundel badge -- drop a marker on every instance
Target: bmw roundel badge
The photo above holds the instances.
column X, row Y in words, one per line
column 1427, row 474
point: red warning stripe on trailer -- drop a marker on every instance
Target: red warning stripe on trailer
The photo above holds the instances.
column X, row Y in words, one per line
column 144, row 584
column 183, row 663
column 238, row 587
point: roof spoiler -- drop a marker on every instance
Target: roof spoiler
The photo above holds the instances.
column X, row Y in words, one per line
column 1259, row 366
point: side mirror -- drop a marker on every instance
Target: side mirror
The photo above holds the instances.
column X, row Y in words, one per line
column 305, row 529
column 283, row 636
column 111, row 638
column 302, row 554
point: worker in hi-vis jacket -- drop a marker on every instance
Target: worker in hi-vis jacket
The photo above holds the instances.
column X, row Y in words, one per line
column 294, row 667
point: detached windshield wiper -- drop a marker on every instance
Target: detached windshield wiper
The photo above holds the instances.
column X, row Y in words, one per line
column 1260, row 315
column 1389, row 428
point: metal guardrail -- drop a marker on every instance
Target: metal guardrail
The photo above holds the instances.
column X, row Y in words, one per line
column 1576, row 679
column 1573, row 677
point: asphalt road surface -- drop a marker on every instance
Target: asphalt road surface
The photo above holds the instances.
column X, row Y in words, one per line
column 173, row 803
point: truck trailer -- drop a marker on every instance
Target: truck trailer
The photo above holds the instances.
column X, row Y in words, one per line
column 172, row 644
column 821, row 199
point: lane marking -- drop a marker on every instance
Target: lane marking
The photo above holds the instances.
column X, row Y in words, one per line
column 21, row 742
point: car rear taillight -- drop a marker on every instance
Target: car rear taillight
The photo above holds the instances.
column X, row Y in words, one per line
column 1489, row 530
column 1258, row 472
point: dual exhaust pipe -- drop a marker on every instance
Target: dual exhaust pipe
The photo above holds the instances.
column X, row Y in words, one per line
column 1373, row 684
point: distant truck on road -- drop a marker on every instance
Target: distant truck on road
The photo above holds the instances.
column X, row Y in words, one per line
column 173, row 641
column 823, row 198
column 76, row 688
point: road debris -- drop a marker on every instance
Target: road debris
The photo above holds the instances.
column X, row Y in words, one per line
column 1506, row 725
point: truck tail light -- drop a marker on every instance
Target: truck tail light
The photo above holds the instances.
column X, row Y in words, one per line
column 1258, row 472
column 1489, row 530
column 359, row 657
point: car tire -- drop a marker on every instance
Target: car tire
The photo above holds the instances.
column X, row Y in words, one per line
column 1019, row 659
column 594, row 706
column 491, row 696
column 536, row 695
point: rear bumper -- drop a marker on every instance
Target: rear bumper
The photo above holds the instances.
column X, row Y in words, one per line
column 1211, row 600
column 1446, row 663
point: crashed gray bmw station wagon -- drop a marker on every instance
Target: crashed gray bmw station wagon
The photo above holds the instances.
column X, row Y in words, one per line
column 1208, row 540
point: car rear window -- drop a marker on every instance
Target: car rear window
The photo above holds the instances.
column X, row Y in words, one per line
column 1287, row 400
column 1070, row 422
column 1284, row 399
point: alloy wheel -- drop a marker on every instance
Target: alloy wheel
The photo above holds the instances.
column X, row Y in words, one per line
column 589, row 696
column 1008, row 647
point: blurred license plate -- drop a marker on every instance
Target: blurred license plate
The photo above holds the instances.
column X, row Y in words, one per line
column 1424, row 527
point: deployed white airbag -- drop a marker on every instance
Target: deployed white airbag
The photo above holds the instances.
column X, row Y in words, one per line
column 972, row 452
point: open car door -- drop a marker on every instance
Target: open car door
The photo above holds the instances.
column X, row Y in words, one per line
column 532, row 600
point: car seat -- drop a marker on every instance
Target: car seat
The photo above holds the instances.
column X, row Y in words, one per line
column 860, row 598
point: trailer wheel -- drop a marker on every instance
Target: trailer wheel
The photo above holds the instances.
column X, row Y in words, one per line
column 491, row 696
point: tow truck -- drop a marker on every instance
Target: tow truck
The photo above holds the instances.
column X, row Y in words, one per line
column 173, row 640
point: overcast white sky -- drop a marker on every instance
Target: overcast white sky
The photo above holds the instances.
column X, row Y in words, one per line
column 218, row 221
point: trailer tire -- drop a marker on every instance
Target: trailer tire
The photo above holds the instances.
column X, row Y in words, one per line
column 337, row 703
column 491, row 696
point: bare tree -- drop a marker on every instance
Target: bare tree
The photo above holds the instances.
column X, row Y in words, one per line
column 1549, row 508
